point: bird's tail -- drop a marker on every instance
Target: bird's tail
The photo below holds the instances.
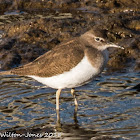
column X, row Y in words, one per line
column 5, row 73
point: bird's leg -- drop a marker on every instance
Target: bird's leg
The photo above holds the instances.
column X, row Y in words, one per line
column 58, row 123
column 73, row 94
column 57, row 98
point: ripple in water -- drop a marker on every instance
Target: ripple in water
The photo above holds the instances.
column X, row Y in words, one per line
column 109, row 107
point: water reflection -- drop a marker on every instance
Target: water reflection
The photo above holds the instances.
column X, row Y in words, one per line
column 108, row 107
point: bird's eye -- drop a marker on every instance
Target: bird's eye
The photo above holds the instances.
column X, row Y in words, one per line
column 98, row 39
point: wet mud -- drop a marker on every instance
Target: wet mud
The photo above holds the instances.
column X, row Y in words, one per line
column 29, row 29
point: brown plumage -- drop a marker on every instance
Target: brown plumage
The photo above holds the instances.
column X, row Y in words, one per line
column 55, row 61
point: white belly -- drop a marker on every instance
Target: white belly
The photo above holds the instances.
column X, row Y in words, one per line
column 77, row 76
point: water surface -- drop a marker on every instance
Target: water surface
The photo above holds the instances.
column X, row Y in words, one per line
column 107, row 107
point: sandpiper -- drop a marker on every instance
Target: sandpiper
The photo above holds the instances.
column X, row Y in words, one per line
column 70, row 64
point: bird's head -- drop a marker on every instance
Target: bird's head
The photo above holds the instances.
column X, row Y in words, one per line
column 97, row 38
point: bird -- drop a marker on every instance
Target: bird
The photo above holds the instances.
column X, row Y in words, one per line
column 70, row 64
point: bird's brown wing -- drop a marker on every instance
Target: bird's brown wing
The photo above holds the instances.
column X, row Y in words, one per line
column 58, row 60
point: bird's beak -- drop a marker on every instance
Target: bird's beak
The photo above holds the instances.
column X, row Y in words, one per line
column 114, row 45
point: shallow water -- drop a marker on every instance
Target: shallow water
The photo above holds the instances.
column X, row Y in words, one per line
column 107, row 107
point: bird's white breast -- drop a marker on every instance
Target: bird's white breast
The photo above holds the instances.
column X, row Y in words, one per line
column 79, row 75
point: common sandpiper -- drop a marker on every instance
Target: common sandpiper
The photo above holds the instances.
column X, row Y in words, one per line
column 70, row 64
